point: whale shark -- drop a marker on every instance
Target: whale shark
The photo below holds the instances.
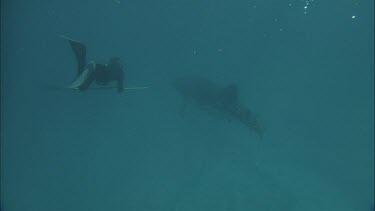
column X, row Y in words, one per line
column 224, row 99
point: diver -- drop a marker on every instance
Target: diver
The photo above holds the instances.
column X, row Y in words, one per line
column 102, row 74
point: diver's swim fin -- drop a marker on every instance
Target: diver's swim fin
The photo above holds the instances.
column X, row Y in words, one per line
column 79, row 50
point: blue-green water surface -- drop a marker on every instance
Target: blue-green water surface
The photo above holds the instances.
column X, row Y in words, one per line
column 306, row 67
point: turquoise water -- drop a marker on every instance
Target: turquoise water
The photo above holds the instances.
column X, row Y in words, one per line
column 306, row 67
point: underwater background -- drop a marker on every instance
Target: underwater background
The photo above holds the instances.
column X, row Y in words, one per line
column 306, row 67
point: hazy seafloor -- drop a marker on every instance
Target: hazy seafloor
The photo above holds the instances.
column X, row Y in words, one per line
column 306, row 67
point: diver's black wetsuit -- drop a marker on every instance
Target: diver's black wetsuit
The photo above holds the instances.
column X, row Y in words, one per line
column 101, row 73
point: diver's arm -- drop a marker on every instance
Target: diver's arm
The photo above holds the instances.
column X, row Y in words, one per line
column 120, row 81
column 120, row 85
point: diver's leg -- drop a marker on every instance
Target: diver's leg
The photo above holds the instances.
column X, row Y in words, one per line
column 92, row 75
column 85, row 85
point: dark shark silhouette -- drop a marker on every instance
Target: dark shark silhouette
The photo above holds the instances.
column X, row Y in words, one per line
column 223, row 99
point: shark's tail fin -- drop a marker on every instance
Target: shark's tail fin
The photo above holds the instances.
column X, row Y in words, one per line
column 258, row 126
column 253, row 121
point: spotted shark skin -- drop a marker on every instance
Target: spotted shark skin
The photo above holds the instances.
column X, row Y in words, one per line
column 223, row 99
